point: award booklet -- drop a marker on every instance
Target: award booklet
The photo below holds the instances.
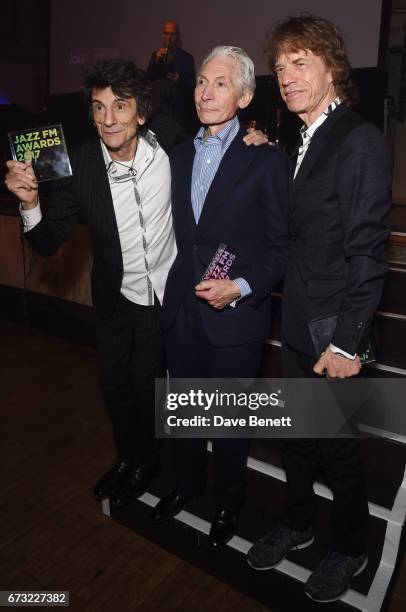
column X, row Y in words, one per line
column 46, row 148
column 322, row 330
column 220, row 265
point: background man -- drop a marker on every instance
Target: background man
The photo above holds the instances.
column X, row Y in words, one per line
column 222, row 192
column 338, row 225
column 172, row 71
column 121, row 189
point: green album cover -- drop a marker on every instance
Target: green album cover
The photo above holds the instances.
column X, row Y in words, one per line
column 46, row 147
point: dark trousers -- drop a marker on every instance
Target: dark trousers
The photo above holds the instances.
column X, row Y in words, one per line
column 190, row 355
column 340, row 462
column 130, row 350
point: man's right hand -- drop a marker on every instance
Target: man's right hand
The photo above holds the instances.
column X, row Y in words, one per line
column 20, row 180
column 336, row 365
column 161, row 54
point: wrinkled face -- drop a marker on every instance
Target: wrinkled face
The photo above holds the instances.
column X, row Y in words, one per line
column 116, row 120
column 170, row 34
column 305, row 83
column 218, row 94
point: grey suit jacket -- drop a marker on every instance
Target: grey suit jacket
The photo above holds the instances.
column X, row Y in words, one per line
column 339, row 208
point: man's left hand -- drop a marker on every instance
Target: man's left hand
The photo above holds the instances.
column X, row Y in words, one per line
column 336, row 365
column 255, row 137
column 219, row 293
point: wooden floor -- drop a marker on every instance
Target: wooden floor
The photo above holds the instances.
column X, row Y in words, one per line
column 55, row 442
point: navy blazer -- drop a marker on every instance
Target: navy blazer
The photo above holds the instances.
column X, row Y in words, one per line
column 247, row 208
column 338, row 222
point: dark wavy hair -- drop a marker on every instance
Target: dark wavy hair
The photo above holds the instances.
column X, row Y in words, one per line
column 125, row 80
column 321, row 37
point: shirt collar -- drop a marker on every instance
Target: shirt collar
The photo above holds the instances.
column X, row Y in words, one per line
column 147, row 143
column 108, row 161
column 224, row 136
column 146, row 149
column 308, row 132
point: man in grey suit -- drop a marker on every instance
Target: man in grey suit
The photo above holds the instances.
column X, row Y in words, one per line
column 341, row 180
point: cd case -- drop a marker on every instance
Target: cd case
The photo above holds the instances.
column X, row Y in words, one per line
column 46, row 147
column 220, row 265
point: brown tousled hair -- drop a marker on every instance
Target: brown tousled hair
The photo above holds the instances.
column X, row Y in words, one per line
column 126, row 81
column 321, row 37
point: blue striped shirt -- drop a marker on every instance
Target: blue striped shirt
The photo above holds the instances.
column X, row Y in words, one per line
column 209, row 153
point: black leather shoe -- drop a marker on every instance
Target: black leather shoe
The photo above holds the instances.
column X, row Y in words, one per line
column 222, row 529
column 115, row 477
column 168, row 507
column 135, row 486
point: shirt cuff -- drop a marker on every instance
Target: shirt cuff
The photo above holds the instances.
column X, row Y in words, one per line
column 30, row 217
column 245, row 290
column 338, row 351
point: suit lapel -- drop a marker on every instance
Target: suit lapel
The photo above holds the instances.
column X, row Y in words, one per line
column 317, row 145
column 234, row 163
column 184, row 185
column 293, row 160
column 99, row 185
column 312, row 155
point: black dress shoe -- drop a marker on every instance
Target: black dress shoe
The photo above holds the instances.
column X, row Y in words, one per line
column 134, row 486
column 115, row 477
column 222, row 529
column 168, row 507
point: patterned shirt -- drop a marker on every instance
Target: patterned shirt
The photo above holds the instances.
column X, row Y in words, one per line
column 307, row 133
column 142, row 207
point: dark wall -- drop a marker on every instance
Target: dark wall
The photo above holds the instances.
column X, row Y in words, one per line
column 271, row 113
column 24, row 53
column 24, row 49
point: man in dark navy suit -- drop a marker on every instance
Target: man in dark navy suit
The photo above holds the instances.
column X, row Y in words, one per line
column 222, row 192
column 172, row 71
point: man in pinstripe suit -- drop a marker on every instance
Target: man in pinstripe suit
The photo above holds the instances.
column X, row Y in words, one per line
column 120, row 189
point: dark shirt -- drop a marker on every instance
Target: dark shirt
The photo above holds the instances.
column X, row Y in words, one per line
column 174, row 98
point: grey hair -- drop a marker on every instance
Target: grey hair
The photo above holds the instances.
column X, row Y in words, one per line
column 246, row 77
